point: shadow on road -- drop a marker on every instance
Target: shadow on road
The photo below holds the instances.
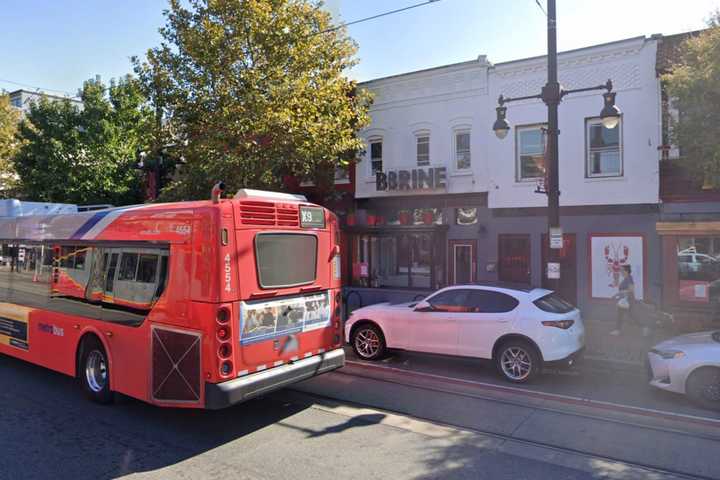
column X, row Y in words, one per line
column 50, row 430
column 354, row 422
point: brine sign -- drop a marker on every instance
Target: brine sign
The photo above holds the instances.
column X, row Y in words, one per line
column 415, row 179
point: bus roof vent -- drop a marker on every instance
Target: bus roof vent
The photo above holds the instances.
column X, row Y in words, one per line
column 254, row 212
column 247, row 193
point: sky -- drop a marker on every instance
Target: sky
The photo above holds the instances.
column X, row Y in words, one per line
column 57, row 44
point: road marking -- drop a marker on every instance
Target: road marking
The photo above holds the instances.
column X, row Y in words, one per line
column 586, row 402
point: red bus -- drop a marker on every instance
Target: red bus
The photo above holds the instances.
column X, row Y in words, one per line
column 192, row 304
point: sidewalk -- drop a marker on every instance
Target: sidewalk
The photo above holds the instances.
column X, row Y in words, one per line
column 626, row 351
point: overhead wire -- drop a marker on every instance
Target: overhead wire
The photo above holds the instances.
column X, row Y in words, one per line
column 20, row 84
column 373, row 17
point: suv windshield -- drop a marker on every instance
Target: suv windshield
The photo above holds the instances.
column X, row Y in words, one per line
column 553, row 303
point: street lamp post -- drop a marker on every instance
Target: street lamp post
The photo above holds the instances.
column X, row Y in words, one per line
column 552, row 94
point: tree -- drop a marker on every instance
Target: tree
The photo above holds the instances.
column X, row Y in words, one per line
column 693, row 86
column 257, row 89
column 86, row 155
column 9, row 145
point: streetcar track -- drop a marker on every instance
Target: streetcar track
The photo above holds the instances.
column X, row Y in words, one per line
column 580, row 401
column 559, row 448
column 537, row 407
column 507, row 438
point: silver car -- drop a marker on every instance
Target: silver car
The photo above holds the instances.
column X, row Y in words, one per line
column 688, row 364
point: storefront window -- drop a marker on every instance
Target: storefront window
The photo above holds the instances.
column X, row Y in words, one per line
column 402, row 260
column 698, row 260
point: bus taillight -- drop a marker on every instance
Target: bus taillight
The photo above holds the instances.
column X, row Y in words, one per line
column 223, row 315
column 223, row 333
column 226, row 368
column 225, row 350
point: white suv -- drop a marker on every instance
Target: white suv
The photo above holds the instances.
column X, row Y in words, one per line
column 520, row 329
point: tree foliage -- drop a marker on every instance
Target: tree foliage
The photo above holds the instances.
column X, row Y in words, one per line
column 693, row 86
column 9, row 145
column 257, row 89
column 86, row 155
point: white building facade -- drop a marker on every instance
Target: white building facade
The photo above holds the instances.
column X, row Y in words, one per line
column 442, row 200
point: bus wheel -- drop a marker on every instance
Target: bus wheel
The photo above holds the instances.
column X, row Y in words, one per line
column 94, row 371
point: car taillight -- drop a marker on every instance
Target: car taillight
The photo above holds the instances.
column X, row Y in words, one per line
column 564, row 324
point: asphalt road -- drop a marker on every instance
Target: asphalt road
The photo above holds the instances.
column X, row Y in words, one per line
column 49, row 430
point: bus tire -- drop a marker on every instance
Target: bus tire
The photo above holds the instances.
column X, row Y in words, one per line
column 94, row 371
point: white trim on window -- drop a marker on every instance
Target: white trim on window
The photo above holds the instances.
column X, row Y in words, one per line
column 594, row 165
column 371, row 169
column 537, row 153
column 466, row 151
column 422, row 148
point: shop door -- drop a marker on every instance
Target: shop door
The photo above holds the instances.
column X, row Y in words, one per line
column 514, row 258
column 568, row 268
column 462, row 261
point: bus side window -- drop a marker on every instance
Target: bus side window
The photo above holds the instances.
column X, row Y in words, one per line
column 128, row 266
column 147, row 269
column 80, row 258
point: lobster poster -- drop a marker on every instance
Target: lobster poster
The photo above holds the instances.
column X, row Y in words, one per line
column 609, row 254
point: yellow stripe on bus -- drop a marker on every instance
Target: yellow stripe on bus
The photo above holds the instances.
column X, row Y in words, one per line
column 15, row 312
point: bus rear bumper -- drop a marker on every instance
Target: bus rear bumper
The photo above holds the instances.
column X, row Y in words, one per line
column 221, row 395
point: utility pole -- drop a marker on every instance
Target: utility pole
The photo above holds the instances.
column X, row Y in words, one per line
column 552, row 94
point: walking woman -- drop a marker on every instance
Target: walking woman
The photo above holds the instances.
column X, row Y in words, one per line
column 626, row 298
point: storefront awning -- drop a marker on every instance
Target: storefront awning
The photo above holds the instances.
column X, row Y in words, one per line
column 687, row 228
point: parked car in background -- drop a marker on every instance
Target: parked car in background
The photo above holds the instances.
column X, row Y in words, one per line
column 688, row 364
column 520, row 329
column 697, row 263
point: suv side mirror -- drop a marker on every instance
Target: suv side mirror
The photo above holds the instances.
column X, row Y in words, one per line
column 424, row 306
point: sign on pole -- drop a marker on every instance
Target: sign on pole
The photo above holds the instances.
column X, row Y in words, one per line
column 553, row 271
column 556, row 238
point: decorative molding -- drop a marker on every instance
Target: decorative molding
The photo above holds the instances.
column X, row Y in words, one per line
column 624, row 76
column 422, row 86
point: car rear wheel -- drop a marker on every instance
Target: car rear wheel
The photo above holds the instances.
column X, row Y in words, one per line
column 518, row 361
column 368, row 342
column 703, row 387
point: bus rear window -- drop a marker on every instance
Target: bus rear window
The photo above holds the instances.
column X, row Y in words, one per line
column 553, row 303
column 285, row 259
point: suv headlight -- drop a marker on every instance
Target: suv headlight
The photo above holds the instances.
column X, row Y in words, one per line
column 668, row 354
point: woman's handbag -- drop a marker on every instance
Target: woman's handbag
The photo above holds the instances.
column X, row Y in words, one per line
column 623, row 303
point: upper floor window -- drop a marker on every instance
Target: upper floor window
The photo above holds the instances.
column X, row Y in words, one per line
column 462, row 150
column 604, row 149
column 530, row 152
column 376, row 155
column 423, row 149
column 342, row 174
